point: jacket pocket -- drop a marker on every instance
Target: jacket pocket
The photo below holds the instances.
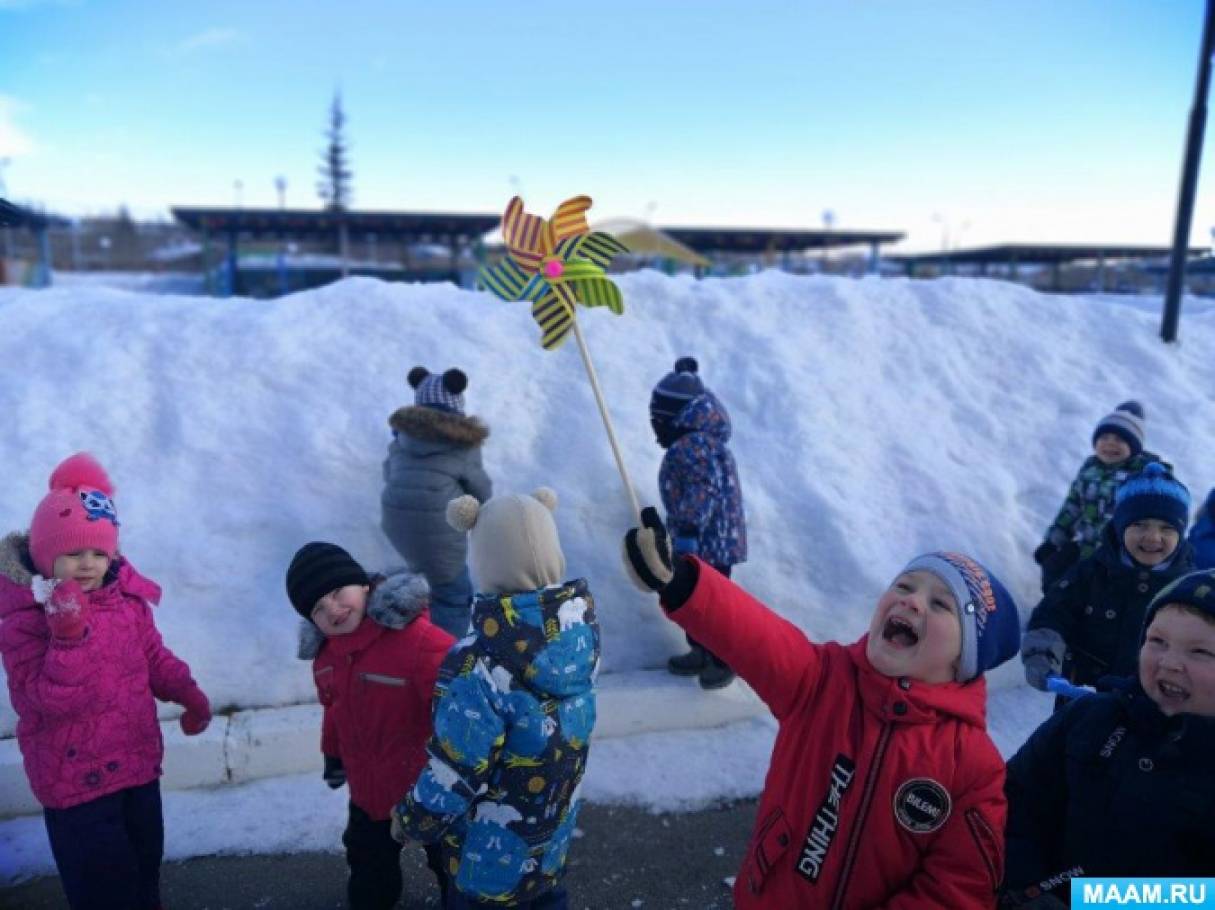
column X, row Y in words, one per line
column 324, row 685
column 768, row 845
column 384, row 680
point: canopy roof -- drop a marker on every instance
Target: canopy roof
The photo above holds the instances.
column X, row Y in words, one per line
column 1041, row 253
column 304, row 224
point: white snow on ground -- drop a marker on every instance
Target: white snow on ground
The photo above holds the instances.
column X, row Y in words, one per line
column 874, row 419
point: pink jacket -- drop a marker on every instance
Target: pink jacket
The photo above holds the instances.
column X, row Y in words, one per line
column 86, row 710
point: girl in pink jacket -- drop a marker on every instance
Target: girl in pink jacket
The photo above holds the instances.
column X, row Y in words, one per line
column 85, row 666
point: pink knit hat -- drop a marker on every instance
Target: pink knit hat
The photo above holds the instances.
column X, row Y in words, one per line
column 77, row 514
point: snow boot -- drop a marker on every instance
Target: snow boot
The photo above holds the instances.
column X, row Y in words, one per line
column 689, row 664
column 715, row 675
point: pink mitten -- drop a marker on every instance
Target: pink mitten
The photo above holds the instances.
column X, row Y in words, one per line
column 66, row 610
column 198, row 713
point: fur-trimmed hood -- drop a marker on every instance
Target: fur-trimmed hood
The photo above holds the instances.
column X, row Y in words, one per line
column 433, row 425
column 395, row 601
column 16, row 564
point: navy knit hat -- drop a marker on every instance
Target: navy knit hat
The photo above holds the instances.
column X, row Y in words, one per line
column 443, row 393
column 1194, row 590
column 1126, row 421
column 316, row 569
column 676, row 390
column 1152, row 493
column 991, row 628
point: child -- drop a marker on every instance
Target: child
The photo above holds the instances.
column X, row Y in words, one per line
column 884, row 788
column 435, row 456
column 699, row 485
column 85, row 668
column 375, row 657
column 1202, row 535
column 1119, row 783
column 1117, row 454
column 513, row 714
column 1087, row 626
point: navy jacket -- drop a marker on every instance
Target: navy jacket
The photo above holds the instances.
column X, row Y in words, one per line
column 1098, row 609
column 1114, row 786
column 1202, row 535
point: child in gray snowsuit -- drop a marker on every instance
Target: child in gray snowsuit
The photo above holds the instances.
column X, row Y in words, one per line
column 434, row 457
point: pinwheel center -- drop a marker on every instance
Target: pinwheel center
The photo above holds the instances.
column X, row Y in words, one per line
column 553, row 268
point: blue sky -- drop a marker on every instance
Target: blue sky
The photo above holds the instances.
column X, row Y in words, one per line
column 958, row 122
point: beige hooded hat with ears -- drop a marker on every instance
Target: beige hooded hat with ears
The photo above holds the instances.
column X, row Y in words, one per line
column 512, row 541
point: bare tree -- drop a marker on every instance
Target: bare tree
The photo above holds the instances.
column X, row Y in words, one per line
column 334, row 186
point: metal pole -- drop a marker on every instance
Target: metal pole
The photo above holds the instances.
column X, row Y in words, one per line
column 1189, row 181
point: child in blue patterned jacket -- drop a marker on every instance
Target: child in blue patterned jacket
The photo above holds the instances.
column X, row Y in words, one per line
column 698, row 482
column 513, row 709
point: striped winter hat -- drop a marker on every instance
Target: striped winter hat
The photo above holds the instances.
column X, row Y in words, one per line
column 1127, row 421
column 676, row 390
column 1152, row 493
column 444, row 393
column 991, row 628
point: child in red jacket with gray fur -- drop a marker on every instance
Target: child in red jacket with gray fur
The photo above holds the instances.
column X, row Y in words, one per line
column 884, row 788
column 375, row 657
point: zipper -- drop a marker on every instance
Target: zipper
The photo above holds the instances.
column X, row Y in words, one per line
column 861, row 815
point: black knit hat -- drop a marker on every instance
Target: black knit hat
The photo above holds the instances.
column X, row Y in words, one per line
column 1127, row 422
column 316, row 569
column 676, row 390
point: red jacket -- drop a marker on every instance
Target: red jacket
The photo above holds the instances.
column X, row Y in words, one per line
column 376, row 684
column 881, row 792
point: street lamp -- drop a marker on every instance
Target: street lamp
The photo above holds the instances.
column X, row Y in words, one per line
column 280, row 184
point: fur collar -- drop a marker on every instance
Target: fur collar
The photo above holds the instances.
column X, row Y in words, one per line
column 433, row 425
column 394, row 603
column 15, row 561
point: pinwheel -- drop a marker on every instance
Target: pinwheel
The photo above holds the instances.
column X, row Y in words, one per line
column 557, row 264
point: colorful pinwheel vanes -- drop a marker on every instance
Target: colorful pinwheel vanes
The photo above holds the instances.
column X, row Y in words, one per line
column 555, row 264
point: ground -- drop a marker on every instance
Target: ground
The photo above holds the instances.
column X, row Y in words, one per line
column 626, row 858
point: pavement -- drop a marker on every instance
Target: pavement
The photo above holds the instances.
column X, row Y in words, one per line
column 625, row 858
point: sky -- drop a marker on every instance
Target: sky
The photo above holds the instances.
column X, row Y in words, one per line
column 884, row 426
column 959, row 123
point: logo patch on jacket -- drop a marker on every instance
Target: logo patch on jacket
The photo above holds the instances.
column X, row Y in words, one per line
column 826, row 820
column 922, row 805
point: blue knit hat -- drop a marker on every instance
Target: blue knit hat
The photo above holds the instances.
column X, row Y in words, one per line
column 676, row 390
column 1194, row 590
column 1125, row 421
column 1152, row 493
column 444, row 393
column 991, row 627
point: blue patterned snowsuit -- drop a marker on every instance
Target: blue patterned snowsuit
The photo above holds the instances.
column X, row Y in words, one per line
column 513, row 713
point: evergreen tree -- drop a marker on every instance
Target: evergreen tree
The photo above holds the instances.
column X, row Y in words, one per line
column 334, row 185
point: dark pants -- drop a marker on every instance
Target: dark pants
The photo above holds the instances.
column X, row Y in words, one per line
column 693, row 643
column 552, row 900
column 374, row 858
column 108, row 850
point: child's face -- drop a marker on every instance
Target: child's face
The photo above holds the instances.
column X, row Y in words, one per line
column 1110, row 448
column 1150, row 541
column 340, row 612
column 915, row 631
column 1177, row 663
column 86, row 567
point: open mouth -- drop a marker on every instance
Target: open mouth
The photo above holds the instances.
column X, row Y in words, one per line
column 899, row 632
column 1172, row 691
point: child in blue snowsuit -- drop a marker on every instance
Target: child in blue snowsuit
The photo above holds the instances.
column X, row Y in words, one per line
column 1202, row 535
column 514, row 708
column 1120, row 783
column 698, row 482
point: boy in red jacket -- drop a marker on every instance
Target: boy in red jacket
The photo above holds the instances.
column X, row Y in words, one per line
column 375, row 657
column 884, row 788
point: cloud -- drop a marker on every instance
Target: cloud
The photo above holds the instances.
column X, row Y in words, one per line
column 210, row 39
column 14, row 142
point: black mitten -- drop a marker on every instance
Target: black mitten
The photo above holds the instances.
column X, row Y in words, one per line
column 335, row 772
column 650, row 563
column 1044, row 552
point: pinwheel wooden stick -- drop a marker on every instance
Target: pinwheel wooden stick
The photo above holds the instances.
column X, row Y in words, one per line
column 557, row 264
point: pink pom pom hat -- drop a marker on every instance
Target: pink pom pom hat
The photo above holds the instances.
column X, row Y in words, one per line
column 77, row 513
